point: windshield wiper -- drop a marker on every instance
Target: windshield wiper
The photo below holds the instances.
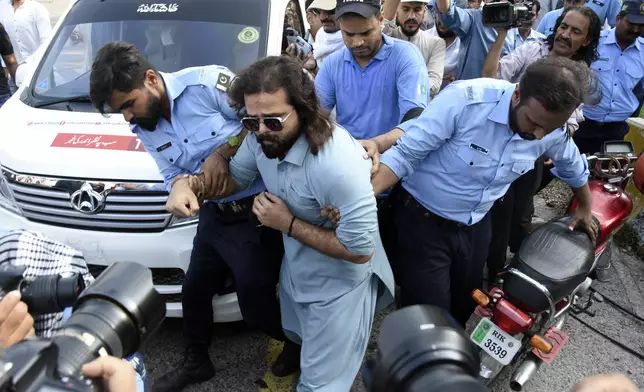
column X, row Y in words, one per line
column 79, row 98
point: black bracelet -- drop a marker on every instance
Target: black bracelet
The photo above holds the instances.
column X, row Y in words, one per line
column 290, row 227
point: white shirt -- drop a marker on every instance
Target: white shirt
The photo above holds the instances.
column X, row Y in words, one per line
column 326, row 44
column 28, row 27
column 514, row 39
column 451, row 53
column 432, row 49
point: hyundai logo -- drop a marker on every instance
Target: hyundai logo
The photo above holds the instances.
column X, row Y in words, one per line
column 87, row 200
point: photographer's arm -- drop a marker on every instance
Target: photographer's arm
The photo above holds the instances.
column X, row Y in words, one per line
column 491, row 65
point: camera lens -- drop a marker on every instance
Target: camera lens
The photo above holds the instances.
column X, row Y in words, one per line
column 422, row 348
column 51, row 294
column 113, row 316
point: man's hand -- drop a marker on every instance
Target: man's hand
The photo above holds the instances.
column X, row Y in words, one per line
column 117, row 374
column 605, row 383
column 16, row 324
column 449, row 78
column 371, row 149
column 182, row 201
column 307, row 62
column 502, row 32
column 272, row 212
column 215, row 171
column 583, row 217
column 331, row 213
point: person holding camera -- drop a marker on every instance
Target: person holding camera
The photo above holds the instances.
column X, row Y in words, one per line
column 461, row 155
column 576, row 37
column 476, row 38
column 16, row 325
column 184, row 122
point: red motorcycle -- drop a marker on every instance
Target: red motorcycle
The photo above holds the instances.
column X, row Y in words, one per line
column 524, row 315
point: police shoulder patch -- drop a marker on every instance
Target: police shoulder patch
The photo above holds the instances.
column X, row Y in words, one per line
column 224, row 80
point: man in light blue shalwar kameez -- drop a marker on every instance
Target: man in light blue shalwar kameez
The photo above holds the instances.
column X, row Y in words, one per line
column 332, row 281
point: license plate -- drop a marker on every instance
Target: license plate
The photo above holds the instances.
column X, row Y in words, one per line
column 495, row 342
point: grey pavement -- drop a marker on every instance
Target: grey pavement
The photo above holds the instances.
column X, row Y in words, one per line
column 240, row 355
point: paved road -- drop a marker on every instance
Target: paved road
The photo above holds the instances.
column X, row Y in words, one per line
column 242, row 357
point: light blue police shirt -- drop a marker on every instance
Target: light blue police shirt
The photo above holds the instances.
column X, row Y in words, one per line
column 476, row 39
column 619, row 72
column 202, row 120
column 460, row 155
column 514, row 39
column 607, row 10
column 373, row 100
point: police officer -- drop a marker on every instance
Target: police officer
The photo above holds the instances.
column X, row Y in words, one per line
column 620, row 68
column 181, row 118
column 462, row 154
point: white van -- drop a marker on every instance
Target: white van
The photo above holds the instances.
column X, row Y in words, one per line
column 84, row 179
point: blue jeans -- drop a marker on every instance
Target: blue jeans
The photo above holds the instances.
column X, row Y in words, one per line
column 136, row 360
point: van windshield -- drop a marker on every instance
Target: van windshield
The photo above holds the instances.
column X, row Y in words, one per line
column 173, row 36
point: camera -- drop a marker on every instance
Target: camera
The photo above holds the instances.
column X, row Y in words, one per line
column 113, row 316
column 421, row 348
column 507, row 14
column 44, row 294
column 293, row 37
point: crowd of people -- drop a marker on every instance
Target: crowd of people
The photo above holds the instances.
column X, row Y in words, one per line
column 405, row 149
column 464, row 133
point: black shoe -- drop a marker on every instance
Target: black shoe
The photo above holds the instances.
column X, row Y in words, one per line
column 288, row 362
column 196, row 368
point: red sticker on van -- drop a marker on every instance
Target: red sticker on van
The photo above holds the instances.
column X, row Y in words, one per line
column 98, row 142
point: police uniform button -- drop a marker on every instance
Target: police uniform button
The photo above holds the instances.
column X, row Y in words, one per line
column 171, row 160
column 203, row 160
column 522, row 171
column 471, row 163
column 282, row 190
column 212, row 134
column 503, row 164
column 185, row 140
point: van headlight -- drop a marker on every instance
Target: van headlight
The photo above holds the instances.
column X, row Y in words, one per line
column 7, row 201
column 179, row 222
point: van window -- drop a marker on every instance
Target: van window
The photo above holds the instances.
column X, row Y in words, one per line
column 173, row 36
column 292, row 19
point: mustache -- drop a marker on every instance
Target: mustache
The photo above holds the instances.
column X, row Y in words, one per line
column 565, row 40
column 411, row 20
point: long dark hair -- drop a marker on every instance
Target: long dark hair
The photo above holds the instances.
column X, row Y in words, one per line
column 271, row 74
column 588, row 53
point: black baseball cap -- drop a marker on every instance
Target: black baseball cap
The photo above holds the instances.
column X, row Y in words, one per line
column 634, row 10
column 364, row 8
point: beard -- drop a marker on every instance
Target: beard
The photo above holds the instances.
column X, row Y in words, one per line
column 445, row 34
column 154, row 112
column 514, row 125
column 413, row 28
column 277, row 144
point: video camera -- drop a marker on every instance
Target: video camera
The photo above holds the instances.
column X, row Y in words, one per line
column 44, row 294
column 113, row 316
column 422, row 348
column 506, row 14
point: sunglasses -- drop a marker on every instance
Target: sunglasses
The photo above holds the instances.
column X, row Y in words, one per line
column 316, row 12
column 273, row 124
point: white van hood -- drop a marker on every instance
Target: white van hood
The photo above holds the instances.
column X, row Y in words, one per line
column 71, row 144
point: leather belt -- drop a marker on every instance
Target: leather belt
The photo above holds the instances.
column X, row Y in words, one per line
column 233, row 211
column 410, row 202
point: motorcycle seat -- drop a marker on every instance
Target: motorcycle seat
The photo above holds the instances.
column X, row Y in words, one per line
column 555, row 257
